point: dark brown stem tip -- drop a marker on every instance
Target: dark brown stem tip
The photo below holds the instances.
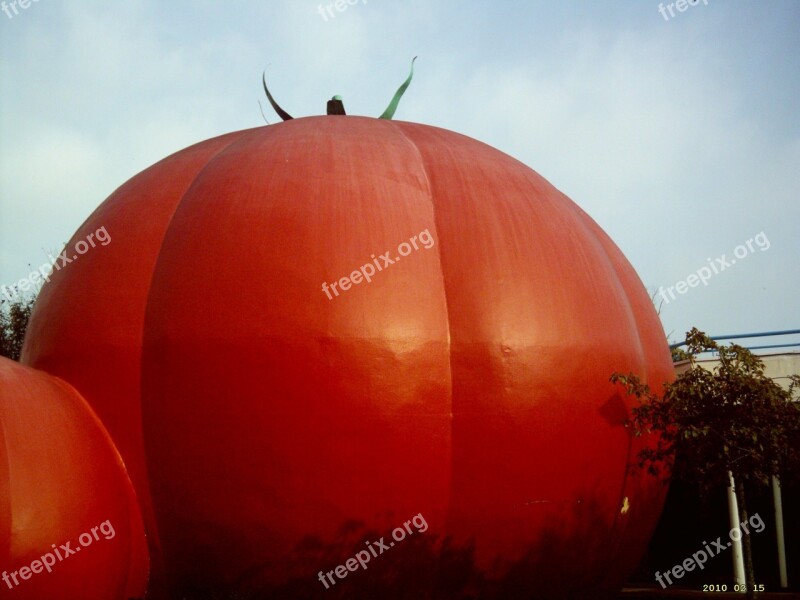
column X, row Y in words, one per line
column 336, row 106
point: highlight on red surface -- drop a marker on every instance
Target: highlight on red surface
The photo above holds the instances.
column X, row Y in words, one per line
column 69, row 521
column 270, row 432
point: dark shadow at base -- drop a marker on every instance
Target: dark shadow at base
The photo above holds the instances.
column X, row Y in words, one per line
column 588, row 564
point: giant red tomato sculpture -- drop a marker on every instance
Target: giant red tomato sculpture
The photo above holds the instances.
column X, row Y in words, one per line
column 309, row 339
column 70, row 526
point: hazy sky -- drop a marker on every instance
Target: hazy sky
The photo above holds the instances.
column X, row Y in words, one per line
column 680, row 136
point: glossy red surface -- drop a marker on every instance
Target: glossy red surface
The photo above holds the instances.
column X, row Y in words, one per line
column 271, row 431
column 61, row 479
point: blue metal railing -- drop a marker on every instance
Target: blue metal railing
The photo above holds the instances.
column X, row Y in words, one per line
column 751, row 335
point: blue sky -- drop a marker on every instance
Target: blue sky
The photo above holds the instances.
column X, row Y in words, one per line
column 680, row 137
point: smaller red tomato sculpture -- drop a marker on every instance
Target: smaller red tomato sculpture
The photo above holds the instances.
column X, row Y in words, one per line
column 70, row 526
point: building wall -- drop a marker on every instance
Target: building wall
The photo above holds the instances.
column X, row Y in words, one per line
column 778, row 366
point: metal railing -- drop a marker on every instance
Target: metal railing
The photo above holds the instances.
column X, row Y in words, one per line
column 752, row 335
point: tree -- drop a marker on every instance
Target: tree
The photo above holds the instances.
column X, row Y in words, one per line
column 679, row 355
column 14, row 316
column 732, row 419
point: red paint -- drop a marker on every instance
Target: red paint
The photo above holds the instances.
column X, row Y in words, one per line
column 60, row 479
column 467, row 382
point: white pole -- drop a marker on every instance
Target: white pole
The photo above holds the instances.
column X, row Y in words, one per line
column 738, row 556
column 776, row 496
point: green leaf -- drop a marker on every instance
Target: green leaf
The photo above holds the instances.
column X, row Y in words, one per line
column 390, row 110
